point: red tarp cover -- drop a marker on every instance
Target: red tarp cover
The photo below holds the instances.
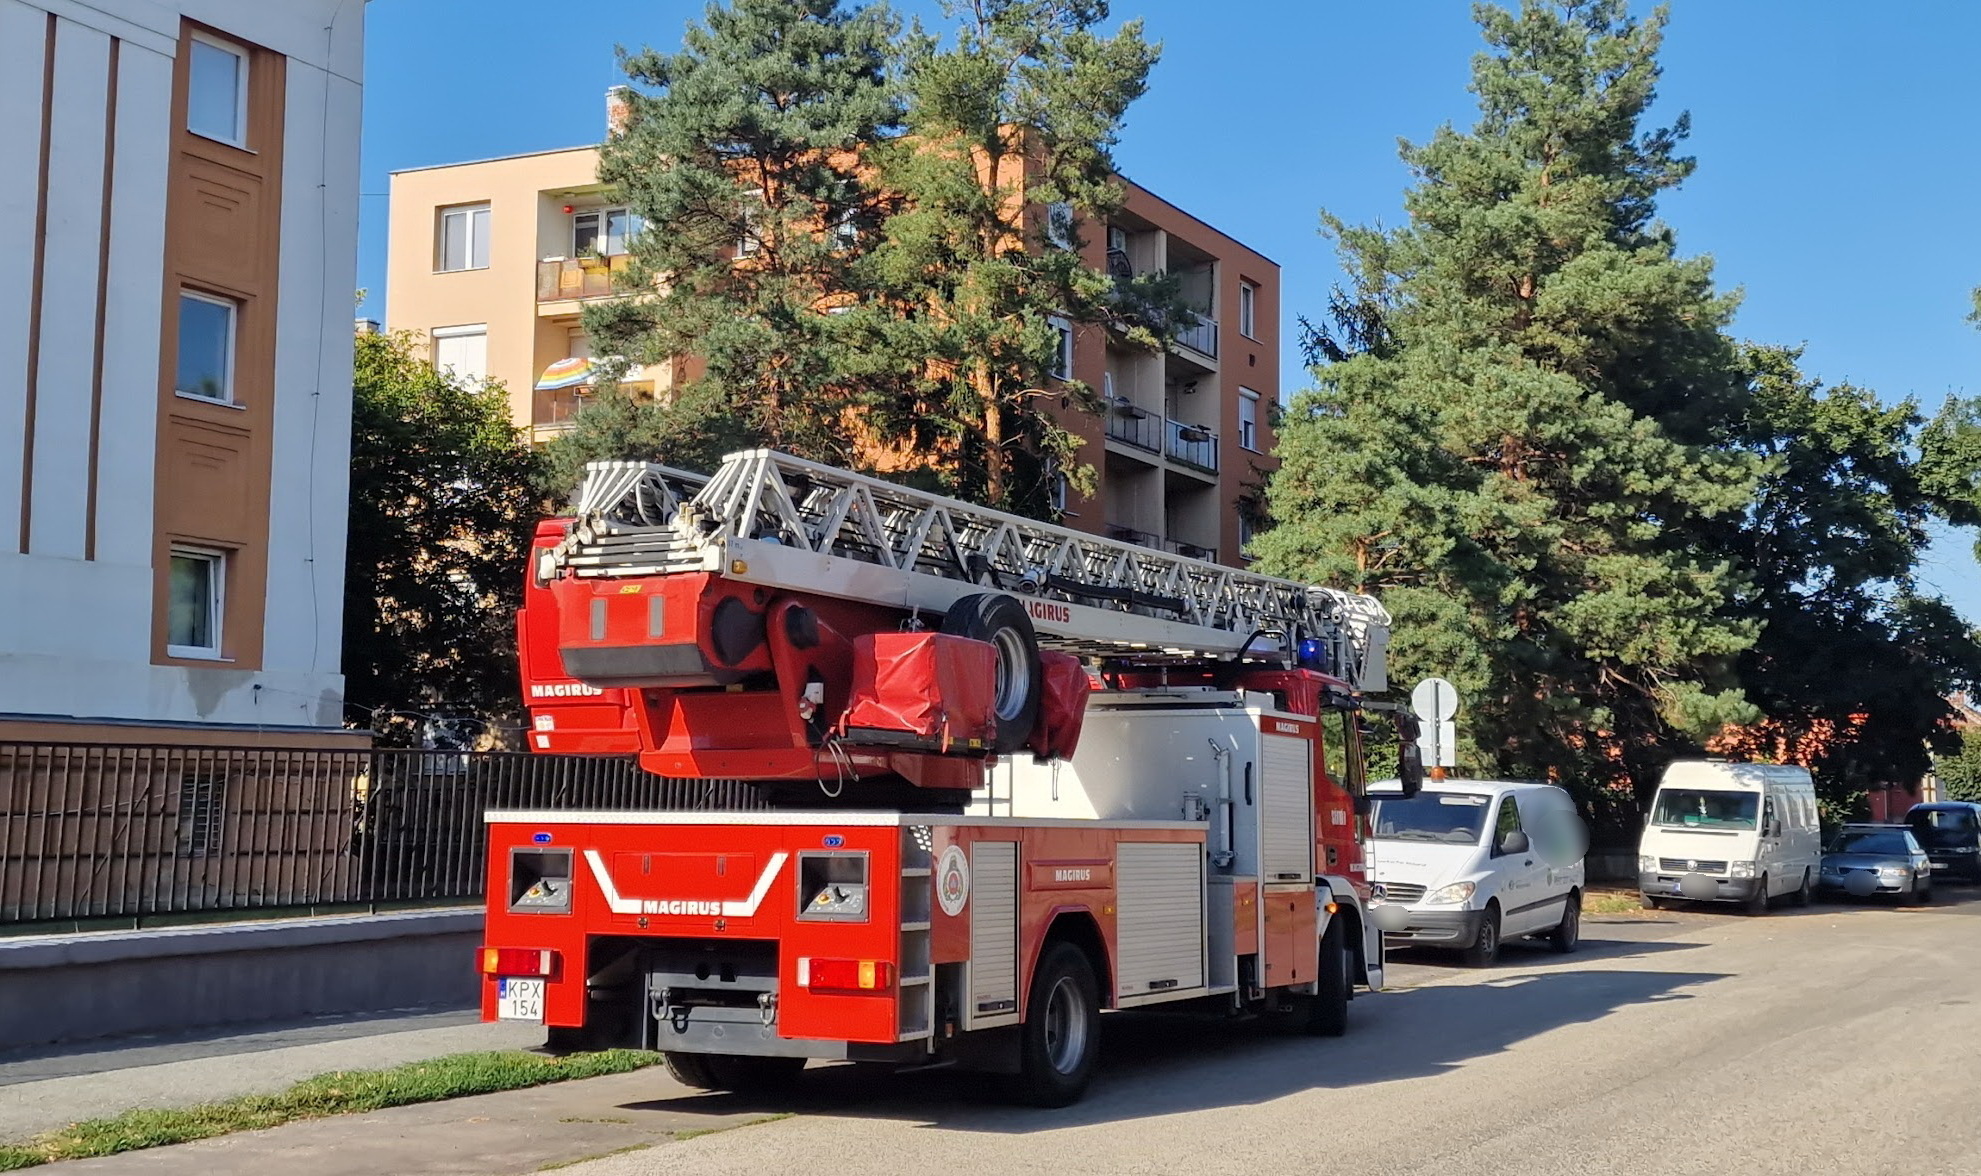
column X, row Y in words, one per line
column 1062, row 705
column 930, row 685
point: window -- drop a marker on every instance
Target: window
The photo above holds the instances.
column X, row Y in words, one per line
column 1247, row 531
column 1062, row 359
column 1248, row 303
column 197, row 589
column 845, row 230
column 605, row 232
column 1056, row 487
column 207, row 327
column 1248, row 419
column 463, row 238
column 461, row 352
column 217, row 91
column 1059, row 225
column 1509, row 821
column 748, row 243
column 200, row 813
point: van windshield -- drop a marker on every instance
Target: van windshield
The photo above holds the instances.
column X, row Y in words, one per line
column 1705, row 808
column 1455, row 818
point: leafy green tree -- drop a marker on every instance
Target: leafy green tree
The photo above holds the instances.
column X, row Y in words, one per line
column 1018, row 110
column 442, row 509
column 1522, row 439
column 744, row 155
column 690, row 431
column 1854, row 662
column 1959, row 769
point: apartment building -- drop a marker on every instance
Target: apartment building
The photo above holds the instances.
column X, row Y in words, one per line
column 491, row 262
column 177, row 256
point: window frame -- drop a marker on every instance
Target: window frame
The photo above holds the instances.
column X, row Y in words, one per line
column 469, row 238
column 216, row 597
column 459, row 331
column 1063, row 361
column 230, row 349
column 603, row 214
column 1248, row 309
column 1248, row 430
column 241, row 83
column 750, row 241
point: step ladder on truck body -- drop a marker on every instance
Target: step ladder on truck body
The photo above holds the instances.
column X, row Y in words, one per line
column 1013, row 775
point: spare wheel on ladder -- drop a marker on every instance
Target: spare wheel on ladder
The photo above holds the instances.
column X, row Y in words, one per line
column 1002, row 621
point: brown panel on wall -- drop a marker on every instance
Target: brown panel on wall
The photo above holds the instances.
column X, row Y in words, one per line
column 223, row 219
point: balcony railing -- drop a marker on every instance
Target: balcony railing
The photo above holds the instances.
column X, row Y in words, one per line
column 1190, row 550
column 564, row 278
column 1200, row 336
column 1192, row 445
column 1123, row 534
column 1134, row 426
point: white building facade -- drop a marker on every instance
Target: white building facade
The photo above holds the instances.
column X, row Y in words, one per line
column 178, row 242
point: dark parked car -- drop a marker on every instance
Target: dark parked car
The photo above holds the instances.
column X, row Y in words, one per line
column 1876, row 859
column 1951, row 832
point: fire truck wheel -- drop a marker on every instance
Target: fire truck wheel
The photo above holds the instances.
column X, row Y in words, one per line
column 1001, row 621
column 1327, row 1010
column 1059, row 1042
column 732, row 1072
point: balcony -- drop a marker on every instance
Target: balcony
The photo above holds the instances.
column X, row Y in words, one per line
column 1121, row 534
column 1134, row 426
column 1191, row 445
column 1190, row 550
column 561, row 279
column 1199, row 336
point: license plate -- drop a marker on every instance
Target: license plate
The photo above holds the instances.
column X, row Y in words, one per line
column 519, row 1000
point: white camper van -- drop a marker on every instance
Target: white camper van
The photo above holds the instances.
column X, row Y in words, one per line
column 1467, row 864
column 1720, row 832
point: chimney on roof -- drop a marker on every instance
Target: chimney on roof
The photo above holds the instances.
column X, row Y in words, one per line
column 618, row 108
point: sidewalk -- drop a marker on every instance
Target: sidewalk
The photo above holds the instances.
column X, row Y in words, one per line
column 47, row 1089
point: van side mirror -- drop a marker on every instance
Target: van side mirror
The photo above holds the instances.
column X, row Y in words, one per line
column 1513, row 841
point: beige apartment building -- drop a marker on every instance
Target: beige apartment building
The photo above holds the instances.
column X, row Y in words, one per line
column 491, row 261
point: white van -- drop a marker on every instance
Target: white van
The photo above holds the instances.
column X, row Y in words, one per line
column 1468, row 864
column 1720, row 832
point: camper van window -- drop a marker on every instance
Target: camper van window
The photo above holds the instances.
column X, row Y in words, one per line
column 1706, row 808
column 1452, row 818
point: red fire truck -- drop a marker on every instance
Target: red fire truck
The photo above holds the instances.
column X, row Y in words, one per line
column 1011, row 775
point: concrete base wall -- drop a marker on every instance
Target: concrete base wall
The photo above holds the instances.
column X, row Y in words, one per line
column 65, row 988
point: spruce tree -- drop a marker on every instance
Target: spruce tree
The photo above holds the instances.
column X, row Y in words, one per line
column 1522, row 457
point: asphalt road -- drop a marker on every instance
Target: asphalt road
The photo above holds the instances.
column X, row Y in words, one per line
column 1838, row 1039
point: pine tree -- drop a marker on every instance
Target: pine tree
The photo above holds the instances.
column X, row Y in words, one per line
column 744, row 155
column 1522, row 459
column 1019, row 110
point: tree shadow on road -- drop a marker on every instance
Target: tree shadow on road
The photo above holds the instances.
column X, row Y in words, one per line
column 1154, row 1065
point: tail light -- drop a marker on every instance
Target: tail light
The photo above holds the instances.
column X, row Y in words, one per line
column 518, row 961
column 845, row 975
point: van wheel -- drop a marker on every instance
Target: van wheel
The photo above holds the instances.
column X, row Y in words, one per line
column 1805, row 893
column 1485, row 950
column 1649, row 903
column 1327, row 1009
column 1758, row 905
column 1002, row 622
column 1060, row 1041
column 1568, row 932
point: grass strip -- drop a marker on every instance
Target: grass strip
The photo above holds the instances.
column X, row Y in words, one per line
column 1611, row 902
column 339, row 1093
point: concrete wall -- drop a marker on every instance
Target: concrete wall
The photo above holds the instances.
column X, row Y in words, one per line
column 66, row 988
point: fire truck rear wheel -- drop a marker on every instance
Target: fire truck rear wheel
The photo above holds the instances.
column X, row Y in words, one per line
column 1059, row 1042
column 732, row 1072
column 1327, row 1010
column 1003, row 622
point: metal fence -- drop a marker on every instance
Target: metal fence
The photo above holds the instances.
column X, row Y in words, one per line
column 98, row 831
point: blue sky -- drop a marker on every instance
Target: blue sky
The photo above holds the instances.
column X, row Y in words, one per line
column 1837, row 185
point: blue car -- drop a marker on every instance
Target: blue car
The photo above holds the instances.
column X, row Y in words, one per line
column 1865, row 860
